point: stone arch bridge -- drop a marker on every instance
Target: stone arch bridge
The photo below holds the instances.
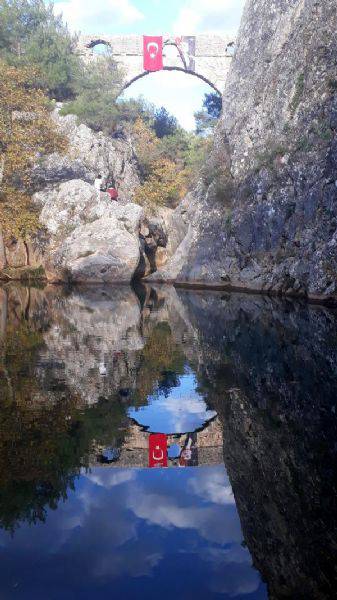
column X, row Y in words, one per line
column 205, row 56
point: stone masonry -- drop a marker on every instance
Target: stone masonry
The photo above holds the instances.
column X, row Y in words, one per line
column 205, row 56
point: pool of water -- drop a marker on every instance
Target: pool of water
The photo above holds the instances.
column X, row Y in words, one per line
column 166, row 443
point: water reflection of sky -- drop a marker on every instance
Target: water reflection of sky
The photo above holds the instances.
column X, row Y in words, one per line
column 134, row 534
column 180, row 410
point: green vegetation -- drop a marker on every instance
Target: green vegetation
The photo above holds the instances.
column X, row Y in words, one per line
column 26, row 130
column 96, row 91
column 162, row 361
column 299, row 89
column 24, row 274
column 207, row 118
column 31, row 35
column 170, row 164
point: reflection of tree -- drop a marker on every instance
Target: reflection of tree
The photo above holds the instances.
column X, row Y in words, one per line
column 162, row 361
column 37, row 453
column 42, row 449
column 45, row 437
column 17, row 353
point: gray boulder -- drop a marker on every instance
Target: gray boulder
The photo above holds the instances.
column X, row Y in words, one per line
column 91, row 238
column 102, row 251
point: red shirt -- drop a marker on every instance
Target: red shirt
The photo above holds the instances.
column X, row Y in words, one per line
column 112, row 193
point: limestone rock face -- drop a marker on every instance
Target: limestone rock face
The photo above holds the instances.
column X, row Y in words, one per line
column 92, row 238
column 90, row 154
column 273, row 227
column 102, row 251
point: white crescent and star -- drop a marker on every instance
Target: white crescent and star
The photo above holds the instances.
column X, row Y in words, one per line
column 153, row 53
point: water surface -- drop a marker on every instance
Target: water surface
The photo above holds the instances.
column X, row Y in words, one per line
column 242, row 390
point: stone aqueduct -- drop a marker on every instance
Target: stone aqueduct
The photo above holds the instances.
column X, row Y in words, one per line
column 205, row 56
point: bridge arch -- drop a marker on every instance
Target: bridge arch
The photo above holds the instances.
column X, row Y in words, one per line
column 207, row 57
column 179, row 69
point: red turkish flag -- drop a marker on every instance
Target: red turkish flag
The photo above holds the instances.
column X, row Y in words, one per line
column 153, row 53
column 157, row 450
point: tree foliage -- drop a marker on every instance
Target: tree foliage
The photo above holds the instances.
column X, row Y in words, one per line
column 163, row 123
column 26, row 133
column 96, row 88
column 168, row 165
column 32, row 35
column 207, row 118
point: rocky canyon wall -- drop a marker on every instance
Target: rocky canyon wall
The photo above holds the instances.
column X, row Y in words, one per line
column 264, row 216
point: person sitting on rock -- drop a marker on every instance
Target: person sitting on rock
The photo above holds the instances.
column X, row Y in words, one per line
column 112, row 191
column 98, row 183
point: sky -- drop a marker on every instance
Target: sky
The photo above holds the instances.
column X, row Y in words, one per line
column 181, row 94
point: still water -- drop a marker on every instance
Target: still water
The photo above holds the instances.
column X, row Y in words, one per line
column 160, row 443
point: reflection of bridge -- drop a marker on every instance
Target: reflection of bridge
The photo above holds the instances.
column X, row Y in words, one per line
column 135, row 451
column 205, row 56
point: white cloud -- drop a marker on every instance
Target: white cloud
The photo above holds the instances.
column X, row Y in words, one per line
column 209, row 16
column 92, row 17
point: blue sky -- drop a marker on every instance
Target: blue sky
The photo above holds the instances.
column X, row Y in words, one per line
column 180, row 94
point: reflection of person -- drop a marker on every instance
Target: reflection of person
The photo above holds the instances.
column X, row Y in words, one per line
column 188, row 456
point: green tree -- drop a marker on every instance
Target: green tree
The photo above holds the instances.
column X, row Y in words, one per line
column 32, row 35
column 207, row 118
column 97, row 87
column 164, row 123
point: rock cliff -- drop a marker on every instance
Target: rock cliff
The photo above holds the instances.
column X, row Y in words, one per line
column 89, row 155
column 264, row 216
column 86, row 237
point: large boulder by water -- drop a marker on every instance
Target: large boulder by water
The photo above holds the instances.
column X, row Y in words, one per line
column 102, row 251
column 91, row 238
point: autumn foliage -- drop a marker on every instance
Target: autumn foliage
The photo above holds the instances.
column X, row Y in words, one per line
column 27, row 133
column 168, row 165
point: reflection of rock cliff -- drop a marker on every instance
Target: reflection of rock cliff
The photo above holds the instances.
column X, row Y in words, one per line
column 93, row 341
column 269, row 369
column 276, row 395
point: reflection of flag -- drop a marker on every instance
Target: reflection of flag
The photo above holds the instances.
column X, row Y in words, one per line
column 157, row 450
column 153, row 53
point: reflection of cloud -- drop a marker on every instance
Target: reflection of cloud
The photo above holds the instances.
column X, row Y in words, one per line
column 89, row 16
column 214, row 486
column 123, row 524
column 109, row 478
column 181, row 411
column 208, row 522
column 231, row 572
